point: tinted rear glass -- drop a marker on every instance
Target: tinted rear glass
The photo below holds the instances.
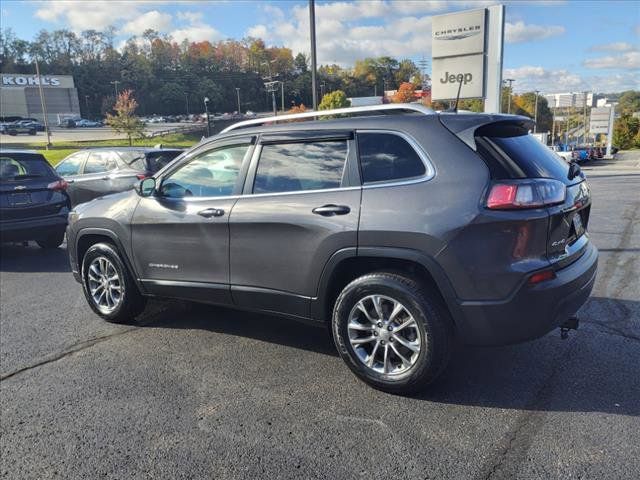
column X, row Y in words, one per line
column 21, row 166
column 531, row 157
column 387, row 157
column 158, row 160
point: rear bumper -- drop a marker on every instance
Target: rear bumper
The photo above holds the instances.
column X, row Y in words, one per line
column 33, row 228
column 532, row 311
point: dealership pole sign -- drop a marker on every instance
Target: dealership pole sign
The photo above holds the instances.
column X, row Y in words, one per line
column 467, row 55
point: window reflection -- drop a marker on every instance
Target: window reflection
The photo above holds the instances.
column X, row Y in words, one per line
column 300, row 166
column 212, row 174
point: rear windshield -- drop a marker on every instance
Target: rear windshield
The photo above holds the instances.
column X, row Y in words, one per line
column 535, row 159
column 24, row 165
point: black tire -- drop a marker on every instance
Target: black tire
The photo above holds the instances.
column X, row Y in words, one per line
column 132, row 302
column 52, row 241
column 432, row 321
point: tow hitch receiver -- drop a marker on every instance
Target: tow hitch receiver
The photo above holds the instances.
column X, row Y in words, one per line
column 571, row 324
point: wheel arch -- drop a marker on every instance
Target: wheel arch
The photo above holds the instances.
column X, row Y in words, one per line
column 350, row 263
column 90, row 236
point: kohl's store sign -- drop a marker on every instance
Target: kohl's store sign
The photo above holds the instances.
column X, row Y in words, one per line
column 27, row 81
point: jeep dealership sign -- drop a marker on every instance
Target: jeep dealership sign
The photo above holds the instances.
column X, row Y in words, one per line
column 467, row 55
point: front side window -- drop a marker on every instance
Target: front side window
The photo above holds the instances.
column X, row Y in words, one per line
column 295, row 167
column 387, row 157
column 211, row 174
column 70, row 166
column 99, row 162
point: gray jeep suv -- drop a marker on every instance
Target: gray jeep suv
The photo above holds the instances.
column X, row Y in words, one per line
column 401, row 228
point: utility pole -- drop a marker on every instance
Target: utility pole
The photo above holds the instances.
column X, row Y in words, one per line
column 206, row 111
column 238, row 94
column 553, row 126
column 282, row 95
column 584, row 119
column 116, row 82
column 510, row 82
column 44, row 106
column 322, row 85
column 186, row 97
column 86, row 102
column 312, row 36
column 535, row 114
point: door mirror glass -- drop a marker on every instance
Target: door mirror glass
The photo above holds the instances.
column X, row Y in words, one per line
column 147, row 187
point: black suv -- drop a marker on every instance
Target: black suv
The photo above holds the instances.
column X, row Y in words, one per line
column 33, row 202
column 402, row 228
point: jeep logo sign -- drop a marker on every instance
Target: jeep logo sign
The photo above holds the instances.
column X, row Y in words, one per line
column 463, row 78
column 26, row 81
column 468, row 70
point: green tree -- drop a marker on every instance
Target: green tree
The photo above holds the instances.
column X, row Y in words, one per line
column 125, row 121
column 626, row 132
column 332, row 100
column 629, row 102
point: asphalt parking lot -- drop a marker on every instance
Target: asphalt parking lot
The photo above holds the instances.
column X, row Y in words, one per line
column 204, row 392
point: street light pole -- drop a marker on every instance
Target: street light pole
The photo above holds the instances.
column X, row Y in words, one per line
column 535, row 115
column 238, row 94
column 312, row 37
column 86, row 102
column 206, row 111
column 115, row 83
column 186, row 97
column 510, row 82
column 44, row 106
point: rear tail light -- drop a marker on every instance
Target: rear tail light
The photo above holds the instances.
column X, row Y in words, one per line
column 58, row 185
column 542, row 276
column 522, row 194
column 141, row 176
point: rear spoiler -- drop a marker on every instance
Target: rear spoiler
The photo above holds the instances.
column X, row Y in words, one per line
column 464, row 125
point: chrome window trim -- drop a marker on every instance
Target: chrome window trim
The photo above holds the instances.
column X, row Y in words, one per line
column 430, row 170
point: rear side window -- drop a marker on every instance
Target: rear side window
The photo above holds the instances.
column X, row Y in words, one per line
column 18, row 167
column 295, row 167
column 522, row 156
column 386, row 157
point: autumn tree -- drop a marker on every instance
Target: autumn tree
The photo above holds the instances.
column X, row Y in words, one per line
column 333, row 100
column 405, row 94
column 125, row 121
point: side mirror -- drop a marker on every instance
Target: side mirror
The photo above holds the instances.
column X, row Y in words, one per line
column 147, row 186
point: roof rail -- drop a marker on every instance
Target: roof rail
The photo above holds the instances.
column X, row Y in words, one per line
column 412, row 107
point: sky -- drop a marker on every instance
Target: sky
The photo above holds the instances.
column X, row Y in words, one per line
column 552, row 46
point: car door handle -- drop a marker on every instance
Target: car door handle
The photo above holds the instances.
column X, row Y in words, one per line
column 211, row 212
column 330, row 210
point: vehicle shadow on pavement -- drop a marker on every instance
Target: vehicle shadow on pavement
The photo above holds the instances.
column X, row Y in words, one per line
column 258, row 326
column 595, row 370
column 16, row 258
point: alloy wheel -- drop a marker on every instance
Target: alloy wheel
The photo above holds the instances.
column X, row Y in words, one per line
column 105, row 285
column 384, row 335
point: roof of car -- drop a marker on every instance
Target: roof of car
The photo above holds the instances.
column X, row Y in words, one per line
column 136, row 149
column 16, row 150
